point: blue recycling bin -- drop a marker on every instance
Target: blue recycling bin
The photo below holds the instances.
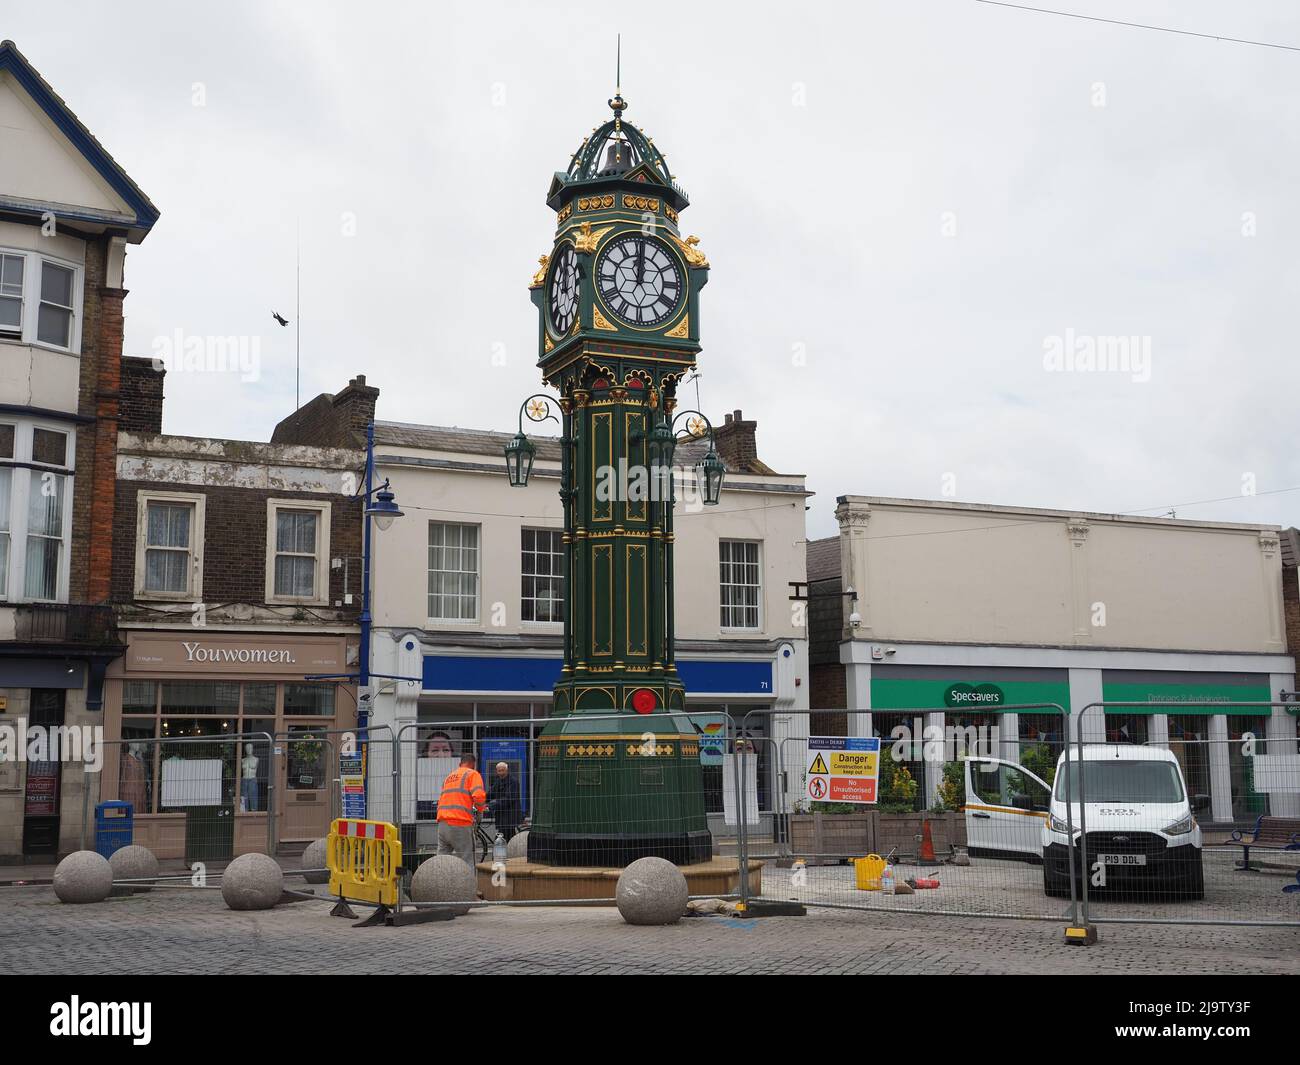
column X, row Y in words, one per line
column 114, row 826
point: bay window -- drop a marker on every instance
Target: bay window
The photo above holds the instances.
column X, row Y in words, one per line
column 12, row 268
column 35, row 509
column 40, row 299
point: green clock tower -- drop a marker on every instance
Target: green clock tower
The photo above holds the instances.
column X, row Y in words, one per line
column 618, row 763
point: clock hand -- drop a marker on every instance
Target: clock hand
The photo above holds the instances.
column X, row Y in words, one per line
column 640, row 263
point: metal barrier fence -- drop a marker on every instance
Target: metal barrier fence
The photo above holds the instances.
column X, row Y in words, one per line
column 1187, row 827
column 1172, row 825
column 1178, row 823
column 211, row 798
column 199, row 798
column 832, row 854
column 642, row 772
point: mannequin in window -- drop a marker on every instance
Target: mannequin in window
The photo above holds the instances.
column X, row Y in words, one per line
column 133, row 779
column 248, row 796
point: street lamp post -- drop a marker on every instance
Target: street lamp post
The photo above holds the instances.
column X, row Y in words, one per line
column 382, row 508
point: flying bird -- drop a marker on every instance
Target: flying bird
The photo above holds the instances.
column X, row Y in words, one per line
column 276, row 316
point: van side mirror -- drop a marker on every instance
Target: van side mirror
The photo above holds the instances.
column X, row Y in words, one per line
column 1200, row 802
column 1022, row 802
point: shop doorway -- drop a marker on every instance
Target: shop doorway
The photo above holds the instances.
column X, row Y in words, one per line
column 308, row 762
column 1188, row 740
column 41, row 791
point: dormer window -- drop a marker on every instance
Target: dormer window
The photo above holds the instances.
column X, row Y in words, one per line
column 40, row 300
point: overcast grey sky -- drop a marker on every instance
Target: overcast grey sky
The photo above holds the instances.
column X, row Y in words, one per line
column 903, row 202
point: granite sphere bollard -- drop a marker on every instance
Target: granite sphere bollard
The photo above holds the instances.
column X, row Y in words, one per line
column 83, row 876
column 252, row 882
column 651, row 891
column 445, row 878
column 518, row 845
column 316, row 857
column 134, row 863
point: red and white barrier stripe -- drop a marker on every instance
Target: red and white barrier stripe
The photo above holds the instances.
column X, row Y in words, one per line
column 362, row 829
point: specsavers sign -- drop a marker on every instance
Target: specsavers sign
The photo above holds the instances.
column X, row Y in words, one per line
column 842, row 769
column 962, row 695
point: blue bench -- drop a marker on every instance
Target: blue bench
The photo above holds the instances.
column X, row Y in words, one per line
column 1269, row 833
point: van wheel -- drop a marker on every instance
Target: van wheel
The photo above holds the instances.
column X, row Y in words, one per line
column 1055, row 887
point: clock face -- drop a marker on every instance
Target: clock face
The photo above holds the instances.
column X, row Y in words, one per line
column 564, row 290
column 640, row 280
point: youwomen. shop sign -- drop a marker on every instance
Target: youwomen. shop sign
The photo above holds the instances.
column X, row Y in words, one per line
column 231, row 653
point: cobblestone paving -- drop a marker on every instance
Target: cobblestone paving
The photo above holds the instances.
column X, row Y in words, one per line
column 992, row 886
column 179, row 930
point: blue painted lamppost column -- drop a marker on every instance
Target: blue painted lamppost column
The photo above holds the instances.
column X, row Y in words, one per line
column 382, row 508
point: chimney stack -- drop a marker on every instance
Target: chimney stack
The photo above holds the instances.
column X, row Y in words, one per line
column 735, row 441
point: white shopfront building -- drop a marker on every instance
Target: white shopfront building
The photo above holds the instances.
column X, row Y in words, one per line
column 1176, row 618
column 468, row 593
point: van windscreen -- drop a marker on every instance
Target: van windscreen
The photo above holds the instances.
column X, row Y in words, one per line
column 1123, row 781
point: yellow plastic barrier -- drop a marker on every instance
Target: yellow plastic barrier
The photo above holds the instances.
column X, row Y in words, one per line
column 364, row 859
column 868, row 870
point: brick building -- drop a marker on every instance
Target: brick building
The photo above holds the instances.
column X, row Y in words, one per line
column 68, row 212
column 236, row 576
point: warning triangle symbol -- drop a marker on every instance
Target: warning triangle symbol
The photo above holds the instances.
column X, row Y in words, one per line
column 819, row 765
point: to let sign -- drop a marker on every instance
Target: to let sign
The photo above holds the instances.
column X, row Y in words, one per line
column 843, row 768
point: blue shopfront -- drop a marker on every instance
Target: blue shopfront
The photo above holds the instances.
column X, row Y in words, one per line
column 476, row 701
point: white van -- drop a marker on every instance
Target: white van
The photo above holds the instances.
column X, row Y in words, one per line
column 1140, row 818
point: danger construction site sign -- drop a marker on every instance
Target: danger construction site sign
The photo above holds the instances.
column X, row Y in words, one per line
column 843, row 768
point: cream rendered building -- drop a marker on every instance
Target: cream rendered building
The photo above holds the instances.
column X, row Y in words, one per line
column 68, row 212
column 467, row 594
column 1028, row 606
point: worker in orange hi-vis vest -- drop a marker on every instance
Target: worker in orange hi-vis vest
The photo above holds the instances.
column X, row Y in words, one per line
column 462, row 794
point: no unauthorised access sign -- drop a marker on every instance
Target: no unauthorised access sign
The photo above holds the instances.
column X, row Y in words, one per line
column 843, row 768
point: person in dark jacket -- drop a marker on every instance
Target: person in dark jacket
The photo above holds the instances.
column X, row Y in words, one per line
column 504, row 802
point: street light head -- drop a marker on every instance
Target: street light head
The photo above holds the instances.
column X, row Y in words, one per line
column 710, row 471
column 384, row 509
column 520, row 452
column 662, row 443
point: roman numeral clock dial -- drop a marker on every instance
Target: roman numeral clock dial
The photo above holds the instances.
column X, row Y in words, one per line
column 640, row 280
column 564, row 290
